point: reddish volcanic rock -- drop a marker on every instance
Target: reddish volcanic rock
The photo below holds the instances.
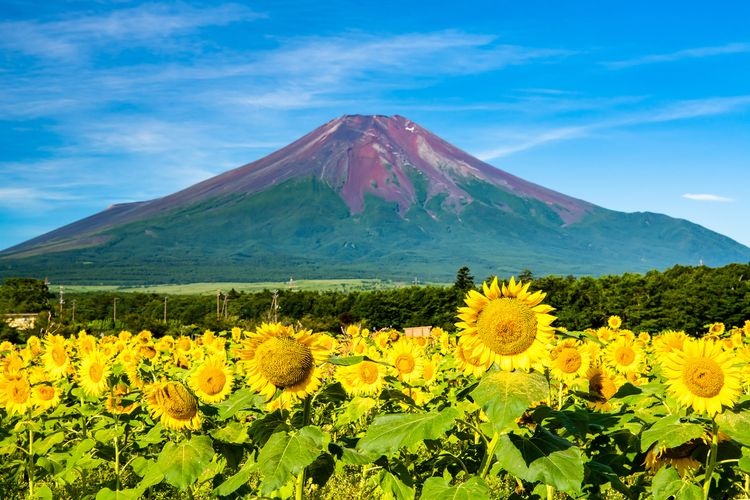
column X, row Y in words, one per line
column 356, row 155
column 364, row 154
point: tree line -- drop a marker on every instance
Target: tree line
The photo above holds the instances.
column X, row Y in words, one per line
column 680, row 298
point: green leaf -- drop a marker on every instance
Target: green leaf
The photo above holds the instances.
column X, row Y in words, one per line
column 43, row 492
column 183, row 463
column 234, row 432
column 153, row 436
column 388, row 433
column 356, row 457
column 242, row 399
column 286, row 455
column 394, row 487
column 667, row 484
column 670, row 432
column 744, row 461
column 107, row 494
column 735, row 425
column 544, row 457
column 236, row 481
column 439, row 488
column 355, row 409
column 505, row 396
column 345, row 361
column 43, row 446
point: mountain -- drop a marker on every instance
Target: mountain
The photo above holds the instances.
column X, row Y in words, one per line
column 362, row 196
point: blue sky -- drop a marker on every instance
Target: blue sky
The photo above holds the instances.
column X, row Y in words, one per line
column 634, row 106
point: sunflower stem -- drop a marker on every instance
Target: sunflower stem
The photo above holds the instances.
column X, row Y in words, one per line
column 711, row 459
column 30, row 468
column 117, row 460
column 487, row 459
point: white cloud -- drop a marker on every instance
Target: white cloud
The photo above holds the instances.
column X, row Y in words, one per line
column 707, row 197
column 676, row 111
column 147, row 24
column 695, row 53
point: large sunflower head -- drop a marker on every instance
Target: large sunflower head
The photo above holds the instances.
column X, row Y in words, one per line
column 407, row 359
column 365, row 378
column 45, row 396
column 624, row 355
column 212, row 380
column 15, row 394
column 55, row 358
column 703, row 376
column 174, row 405
column 569, row 361
column 93, row 372
column 277, row 357
column 506, row 325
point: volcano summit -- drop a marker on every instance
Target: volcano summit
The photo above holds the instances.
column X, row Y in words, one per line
column 362, row 196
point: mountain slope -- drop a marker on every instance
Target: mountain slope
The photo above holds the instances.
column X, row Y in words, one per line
column 362, row 196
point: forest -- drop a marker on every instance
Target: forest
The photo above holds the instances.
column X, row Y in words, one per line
column 681, row 298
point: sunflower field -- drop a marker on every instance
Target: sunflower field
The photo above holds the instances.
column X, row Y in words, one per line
column 509, row 405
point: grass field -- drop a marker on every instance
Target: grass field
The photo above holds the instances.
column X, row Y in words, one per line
column 345, row 285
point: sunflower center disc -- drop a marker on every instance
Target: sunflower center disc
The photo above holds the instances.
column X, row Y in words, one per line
column 212, row 381
column 58, row 355
column 95, row 372
column 46, row 392
column 19, row 392
column 570, row 360
column 507, row 326
column 369, row 372
column 177, row 402
column 624, row 356
column 405, row 364
column 703, row 377
column 284, row 361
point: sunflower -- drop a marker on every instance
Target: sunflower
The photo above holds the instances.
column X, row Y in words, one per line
column 602, row 386
column 507, row 326
column 174, row 405
column 45, row 396
column 85, row 343
column 93, row 372
column 275, row 357
column 365, row 378
column 668, row 341
column 430, row 369
column 614, row 322
column 702, row 376
column 15, row 394
column 716, row 329
column 467, row 363
column 212, row 380
column 114, row 403
column 569, row 361
column 55, row 358
column 407, row 359
column 681, row 457
column 624, row 355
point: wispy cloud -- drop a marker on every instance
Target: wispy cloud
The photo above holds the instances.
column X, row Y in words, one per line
column 707, row 197
column 79, row 34
column 680, row 110
column 533, row 140
column 694, row 53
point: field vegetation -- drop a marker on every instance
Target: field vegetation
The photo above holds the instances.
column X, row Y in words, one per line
column 302, row 394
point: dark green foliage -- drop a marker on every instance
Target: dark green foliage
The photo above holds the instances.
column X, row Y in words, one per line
column 24, row 295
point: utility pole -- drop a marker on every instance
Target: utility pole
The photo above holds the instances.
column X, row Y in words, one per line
column 165, row 309
column 62, row 300
column 218, row 297
column 74, row 311
column 114, row 313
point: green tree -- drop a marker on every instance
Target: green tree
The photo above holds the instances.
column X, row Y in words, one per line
column 24, row 295
column 464, row 280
